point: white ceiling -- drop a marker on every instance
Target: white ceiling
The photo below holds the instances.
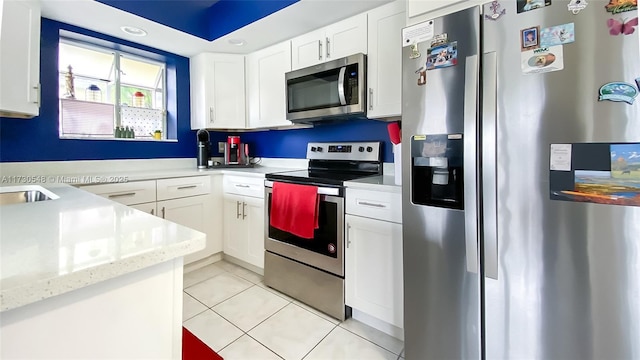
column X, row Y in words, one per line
column 297, row 19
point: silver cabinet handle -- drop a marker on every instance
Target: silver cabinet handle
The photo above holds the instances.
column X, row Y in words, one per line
column 38, row 94
column 163, row 212
column 370, row 99
column 187, row 187
column 152, row 211
column 348, row 235
column 470, row 162
column 211, row 115
column 121, row 195
column 242, row 186
column 371, row 204
column 320, row 50
column 489, row 164
column 244, row 215
column 237, row 209
column 328, row 45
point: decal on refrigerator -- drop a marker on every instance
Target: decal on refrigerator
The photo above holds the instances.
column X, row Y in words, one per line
column 442, row 56
column 529, row 38
column 604, row 174
column 542, row 60
column 528, row 5
column 418, row 33
column 439, row 39
column 560, row 157
column 557, row 35
column 576, row 5
column 622, row 26
column 619, row 92
column 415, row 52
column 496, row 12
column 422, row 75
column 618, row 6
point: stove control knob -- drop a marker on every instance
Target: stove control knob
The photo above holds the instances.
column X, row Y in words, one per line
column 369, row 149
column 313, row 148
column 320, row 148
column 361, row 149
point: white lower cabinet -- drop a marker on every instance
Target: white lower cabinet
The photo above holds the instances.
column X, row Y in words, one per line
column 244, row 219
column 373, row 255
column 374, row 268
column 188, row 201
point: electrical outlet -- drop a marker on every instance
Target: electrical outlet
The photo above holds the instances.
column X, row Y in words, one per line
column 221, row 147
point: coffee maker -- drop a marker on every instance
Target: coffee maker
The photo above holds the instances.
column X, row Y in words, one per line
column 204, row 148
column 236, row 152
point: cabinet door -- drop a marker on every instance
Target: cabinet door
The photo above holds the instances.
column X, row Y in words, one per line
column 192, row 212
column 346, row 37
column 373, row 265
column 149, row 208
column 201, row 87
column 217, row 91
column 418, row 7
column 266, row 93
column 253, row 212
column 20, row 59
column 235, row 231
column 308, row 49
column 384, row 63
column 228, row 92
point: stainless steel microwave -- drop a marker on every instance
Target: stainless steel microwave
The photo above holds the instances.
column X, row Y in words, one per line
column 325, row 91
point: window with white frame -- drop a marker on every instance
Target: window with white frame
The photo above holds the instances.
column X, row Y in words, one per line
column 105, row 93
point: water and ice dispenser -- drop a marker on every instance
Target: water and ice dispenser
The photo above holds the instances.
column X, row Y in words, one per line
column 437, row 170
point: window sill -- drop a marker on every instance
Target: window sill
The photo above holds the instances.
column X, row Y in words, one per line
column 117, row 139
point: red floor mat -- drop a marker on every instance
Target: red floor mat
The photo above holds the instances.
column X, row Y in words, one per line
column 194, row 349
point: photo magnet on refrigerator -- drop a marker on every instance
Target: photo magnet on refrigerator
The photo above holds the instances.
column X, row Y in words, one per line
column 496, row 12
column 576, row 5
column 529, row 38
column 542, row 60
column 618, row 92
column 528, row 5
column 618, row 6
column 442, row 56
column 557, row 35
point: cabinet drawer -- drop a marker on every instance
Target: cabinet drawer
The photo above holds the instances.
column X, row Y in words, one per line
column 247, row 186
column 374, row 204
column 183, row 187
column 130, row 193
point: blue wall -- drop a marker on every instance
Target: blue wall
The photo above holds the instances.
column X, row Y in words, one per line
column 293, row 143
column 37, row 139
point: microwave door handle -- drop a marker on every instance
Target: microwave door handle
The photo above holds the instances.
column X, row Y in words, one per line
column 343, row 101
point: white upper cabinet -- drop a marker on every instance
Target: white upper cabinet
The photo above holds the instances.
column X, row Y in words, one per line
column 266, row 93
column 341, row 39
column 384, row 62
column 19, row 58
column 217, row 91
column 419, row 7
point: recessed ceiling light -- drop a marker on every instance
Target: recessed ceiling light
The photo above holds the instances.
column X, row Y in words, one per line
column 236, row 42
column 133, row 31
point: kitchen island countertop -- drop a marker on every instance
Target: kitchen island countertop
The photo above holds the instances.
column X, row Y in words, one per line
column 56, row 246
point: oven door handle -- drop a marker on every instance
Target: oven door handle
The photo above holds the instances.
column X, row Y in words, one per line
column 321, row 190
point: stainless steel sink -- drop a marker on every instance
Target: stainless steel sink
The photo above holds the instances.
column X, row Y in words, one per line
column 24, row 194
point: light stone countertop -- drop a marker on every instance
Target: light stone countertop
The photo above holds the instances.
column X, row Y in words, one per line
column 52, row 247
column 377, row 183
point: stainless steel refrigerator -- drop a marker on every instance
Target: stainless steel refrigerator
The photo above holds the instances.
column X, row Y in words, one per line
column 507, row 108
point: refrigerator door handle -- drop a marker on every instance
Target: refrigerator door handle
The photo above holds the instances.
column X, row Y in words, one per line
column 471, row 163
column 489, row 161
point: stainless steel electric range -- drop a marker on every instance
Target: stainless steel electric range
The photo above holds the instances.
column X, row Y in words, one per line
column 312, row 270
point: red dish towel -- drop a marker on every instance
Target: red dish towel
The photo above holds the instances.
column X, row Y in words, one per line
column 294, row 209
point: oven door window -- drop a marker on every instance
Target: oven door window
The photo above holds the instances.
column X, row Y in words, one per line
column 325, row 238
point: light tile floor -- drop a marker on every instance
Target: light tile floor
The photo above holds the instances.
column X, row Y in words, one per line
column 231, row 310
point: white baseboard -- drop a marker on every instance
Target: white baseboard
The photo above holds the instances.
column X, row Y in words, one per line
column 203, row 262
column 376, row 323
